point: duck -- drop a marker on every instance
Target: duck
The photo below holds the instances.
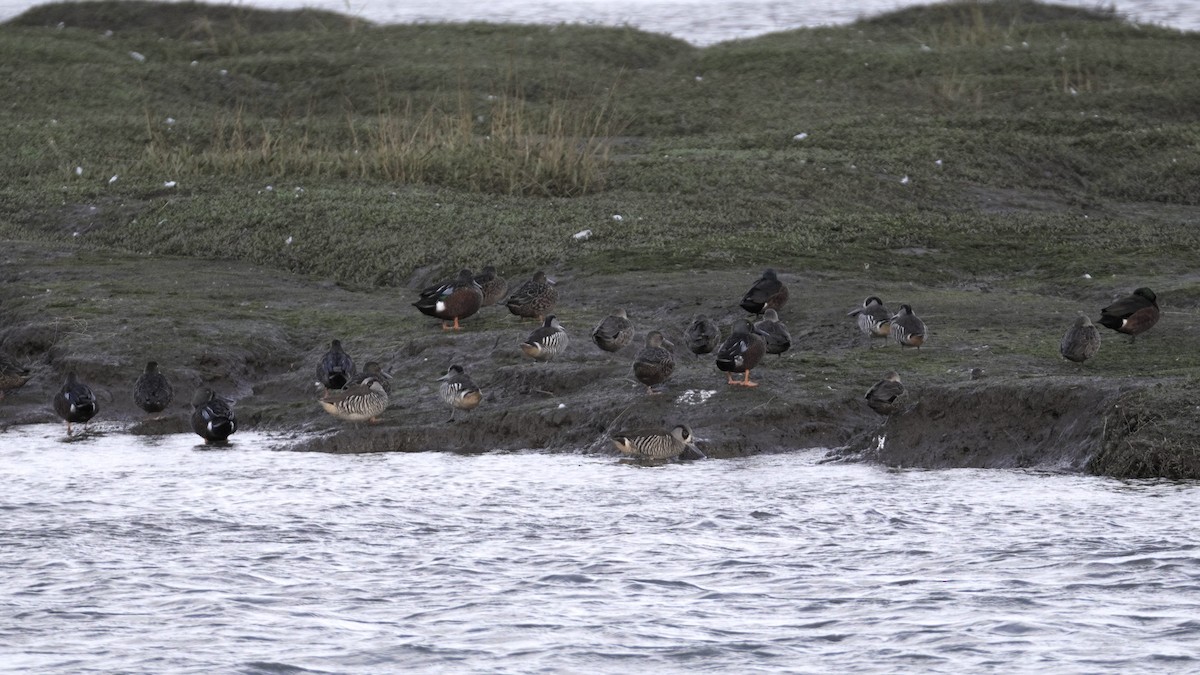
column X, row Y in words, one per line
column 741, row 352
column 534, row 298
column 75, row 402
column 886, row 396
column 1133, row 315
column 1081, row 341
column 766, row 293
column 459, row 391
column 614, row 331
column 212, row 416
column 453, row 300
column 774, row 332
column 702, row 335
column 12, row 376
column 874, row 319
column 678, row 443
column 907, row 329
column 546, row 341
column 373, row 369
column 493, row 286
column 152, row 392
column 336, row 368
column 654, row 364
column 363, row 401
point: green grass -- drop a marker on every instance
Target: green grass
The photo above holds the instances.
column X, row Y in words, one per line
column 1026, row 131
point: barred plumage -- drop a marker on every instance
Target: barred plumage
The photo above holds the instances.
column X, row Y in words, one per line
column 547, row 341
column 874, row 320
column 212, row 416
column 654, row 364
column 458, row 390
column 613, row 332
column 152, row 392
column 660, row 446
column 363, row 401
column 907, row 329
column 886, row 396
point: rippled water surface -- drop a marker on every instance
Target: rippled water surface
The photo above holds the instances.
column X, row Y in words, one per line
column 158, row 555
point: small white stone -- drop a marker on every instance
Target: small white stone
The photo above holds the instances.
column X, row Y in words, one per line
column 270, row 188
column 1086, row 275
column 618, row 217
column 582, row 235
column 169, row 183
column 800, row 136
column 699, row 78
column 904, row 181
column 939, row 162
column 926, row 48
column 288, row 241
column 79, row 171
column 137, row 56
column 194, row 64
column 170, row 121
column 112, row 180
column 222, row 72
column 561, row 406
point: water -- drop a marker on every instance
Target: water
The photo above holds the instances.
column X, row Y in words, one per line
column 124, row 554
column 701, row 22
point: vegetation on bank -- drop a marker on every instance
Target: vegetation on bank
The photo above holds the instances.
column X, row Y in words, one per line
column 1007, row 163
column 1010, row 138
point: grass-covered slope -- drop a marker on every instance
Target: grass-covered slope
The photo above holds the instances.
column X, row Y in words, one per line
column 1002, row 165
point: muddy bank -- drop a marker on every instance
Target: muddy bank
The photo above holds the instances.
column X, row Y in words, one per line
column 256, row 335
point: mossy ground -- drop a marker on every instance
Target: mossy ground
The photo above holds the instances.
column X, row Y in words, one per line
column 976, row 160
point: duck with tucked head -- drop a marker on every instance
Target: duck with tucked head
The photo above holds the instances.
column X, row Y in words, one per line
column 534, row 298
column 360, row 402
column 1133, row 315
column 766, row 293
column 907, row 328
column 886, row 396
column 679, row 443
column 152, row 392
column 702, row 335
column 373, row 369
column 1081, row 342
column 774, row 332
column 336, row 368
column 12, row 376
column 453, row 300
column 75, row 402
column 459, row 391
column 547, row 341
column 655, row 363
column 874, row 319
column 212, row 416
column 493, row 286
column 741, row 352
column 614, row 331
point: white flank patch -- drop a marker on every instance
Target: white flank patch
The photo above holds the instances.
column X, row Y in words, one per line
column 583, row 235
column 695, row 396
column 440, row 306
